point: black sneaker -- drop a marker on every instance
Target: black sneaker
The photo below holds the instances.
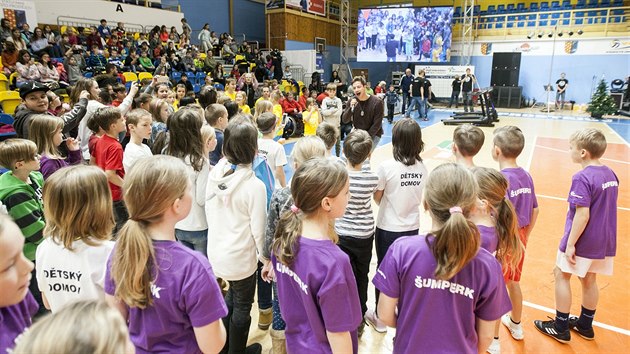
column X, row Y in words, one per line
column 587, row 334
column 549, row 328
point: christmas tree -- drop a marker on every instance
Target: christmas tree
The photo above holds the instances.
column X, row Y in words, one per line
column 601, row 102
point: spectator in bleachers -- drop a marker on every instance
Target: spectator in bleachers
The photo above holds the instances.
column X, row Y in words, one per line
column 145, row 62
column 93, row 38
column 26, row 33
column 95, row 60
column 209, row 63
column 39, row 43
column 132, row 63
column 158, row 51
column 73, row 70
column 154, row 39
column 115, row 58
column 72, row 36
column 173, row 36
column 248, row 85
column 235, row 73
column 49, row 75
column 219, row 76
column 103, row 29
column 142, row 39
column 110, row 78
column 170, row 48
column 186, row 27
column 184, row 81
column 9, row 57
column 64, row 43
column 16, row 38
column 119, row 30
column 163, row 34
column 204, row 38
column 114, row 43
column 228, row 54
column 214, row 40
column 52, row 38
column 5, row 30
column 188, row 61
column 184, row 41
column 27, row 68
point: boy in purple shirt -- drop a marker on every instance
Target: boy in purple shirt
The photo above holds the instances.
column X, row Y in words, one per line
column 508, row 145
column 441, row 291
column 589, row 242
column 316, row 287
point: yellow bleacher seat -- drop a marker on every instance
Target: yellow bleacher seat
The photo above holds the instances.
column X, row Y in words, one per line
column 130, row 77
column 202, row 56
column 9, row 100
column 239, row 57
column 4, row 83
column 65, row 98
column 63, row 29
column 143, row 75
column 136, row 35
column 13, row 77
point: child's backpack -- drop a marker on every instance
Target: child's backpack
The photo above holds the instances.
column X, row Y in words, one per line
column 263, row 172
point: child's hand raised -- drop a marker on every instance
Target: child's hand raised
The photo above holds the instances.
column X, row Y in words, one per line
column 84, row 94
column 72, row 144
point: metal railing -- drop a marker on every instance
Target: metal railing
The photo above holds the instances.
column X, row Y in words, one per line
column 610, row 21
column 88, row 22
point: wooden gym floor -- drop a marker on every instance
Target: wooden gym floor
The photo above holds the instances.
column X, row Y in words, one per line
column 546, row 157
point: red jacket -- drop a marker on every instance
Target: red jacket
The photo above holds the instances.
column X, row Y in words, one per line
column 289, row 106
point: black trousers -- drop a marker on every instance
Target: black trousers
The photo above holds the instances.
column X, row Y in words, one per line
column 384, row 240
column 360, row 252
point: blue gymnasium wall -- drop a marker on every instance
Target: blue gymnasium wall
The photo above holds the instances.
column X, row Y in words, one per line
column 249, row 17
column 579, row 69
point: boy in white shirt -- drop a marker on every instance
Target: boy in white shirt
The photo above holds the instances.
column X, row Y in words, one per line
column 139, row 124
column 271, row 149
column 332, row 107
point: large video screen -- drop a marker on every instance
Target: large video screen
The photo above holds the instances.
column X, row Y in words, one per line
column 412, row 34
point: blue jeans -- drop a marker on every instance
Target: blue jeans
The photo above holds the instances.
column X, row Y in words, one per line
column 454, row 98
column 468, row 102
column 195, row 240
column 264, row 290
column 415, row 101
column 424, row 109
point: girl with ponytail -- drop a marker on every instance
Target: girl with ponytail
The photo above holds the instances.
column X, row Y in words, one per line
column 166, row 292
column 318, row 296
column 498, row 225
column 444, row 276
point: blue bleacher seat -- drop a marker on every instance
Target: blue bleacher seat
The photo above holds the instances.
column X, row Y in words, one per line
column 555, row 15
column 491, row 10
column 476, row 9
column 176, row 76
column 579, row 18
column 191, row 75
column 533, row 7
column 88, row 74
column 200, row 78
column 501, row 9
column 566, row 5
column 458, row 10
column 617, row 3
column 580, row 4
column 6, row 118
column 592, row 3
column 511, row 8
column 555, row 5
column 196, row 88
column 604, row 3
column 544, row 6
column 520, row 7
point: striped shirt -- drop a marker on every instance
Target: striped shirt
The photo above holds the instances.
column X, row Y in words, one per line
column 358, row 221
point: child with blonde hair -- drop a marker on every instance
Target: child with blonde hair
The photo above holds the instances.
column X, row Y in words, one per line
column 304, row 150
column 102, row 330
column 167, row 293
column 263, row 106
column 443, row 275
column 17, row 304
column 46, row 133
column 241, row 100
column 70, row 261
column 508, row 145
column 589, row 242
column 318, row 299
column 312, row 117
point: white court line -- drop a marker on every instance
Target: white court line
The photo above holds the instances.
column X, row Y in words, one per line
column 566, row 152
column 565, row 199
column 595, row 323
column 531, row 154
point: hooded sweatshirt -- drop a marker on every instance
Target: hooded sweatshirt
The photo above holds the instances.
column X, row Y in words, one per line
column 24, row 204
column 236, row 213
column 70, row 119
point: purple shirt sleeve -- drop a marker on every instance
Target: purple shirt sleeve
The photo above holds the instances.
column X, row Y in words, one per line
column 580, row 194
column 201, row 296
column 493, row 300
column 338, row 300
column 386, row 278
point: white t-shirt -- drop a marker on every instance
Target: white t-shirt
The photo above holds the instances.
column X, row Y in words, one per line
column 402, row 185
column 196, row 219
column 66, row 276
column 134, row 152
column 275, row 155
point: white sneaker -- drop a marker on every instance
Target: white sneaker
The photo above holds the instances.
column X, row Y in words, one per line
column 372, row 320
column 495, row 347
column 516, row 330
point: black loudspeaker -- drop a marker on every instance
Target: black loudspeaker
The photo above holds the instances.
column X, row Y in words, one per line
column 507, row 97
column 506, row 68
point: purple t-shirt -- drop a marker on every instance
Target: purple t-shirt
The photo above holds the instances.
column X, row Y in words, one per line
column 185, row 295
column 317, row 293
column 596, row 188
column 489, row 238
column 439, row 315
column 14, row 320
column 521, row 193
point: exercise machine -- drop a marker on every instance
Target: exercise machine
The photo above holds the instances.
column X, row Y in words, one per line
column 488, row 112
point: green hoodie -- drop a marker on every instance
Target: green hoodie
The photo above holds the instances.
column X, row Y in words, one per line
column 25, row 206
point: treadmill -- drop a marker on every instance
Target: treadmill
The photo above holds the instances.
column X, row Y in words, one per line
column 485, row 118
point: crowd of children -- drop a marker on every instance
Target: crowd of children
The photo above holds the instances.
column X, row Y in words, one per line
column 183, row 201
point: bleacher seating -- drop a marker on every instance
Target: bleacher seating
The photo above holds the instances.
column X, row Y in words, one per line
column 9, row 100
